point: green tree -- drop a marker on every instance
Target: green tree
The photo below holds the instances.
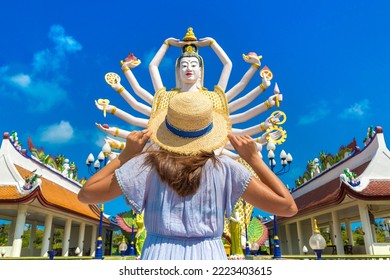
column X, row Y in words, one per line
column 358, row 236
column 4, row 232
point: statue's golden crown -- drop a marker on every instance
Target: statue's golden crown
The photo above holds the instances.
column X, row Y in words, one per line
column 190, row 49
column 190, row 36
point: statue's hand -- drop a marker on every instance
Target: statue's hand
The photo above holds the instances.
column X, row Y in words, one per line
column 105, row 128
column 272, row 120
column 131, row 64
column 252, row 58
column 101, row 107
column 115, row 144
column 204, row 42
column 174, row 42
column 275, row 100
column 131, row 61
column 265, row 82
column 262, row 140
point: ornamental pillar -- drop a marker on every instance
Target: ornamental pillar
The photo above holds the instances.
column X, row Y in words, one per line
column 365, row 220
column 19, row 230
column 349, row 232
column 93, row 240
column 288, row 239
column 46, row 235
column 300, row 237
column 338, row 238
column 80, row 243
column 66, row 238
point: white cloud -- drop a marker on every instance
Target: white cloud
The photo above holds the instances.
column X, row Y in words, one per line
column 63, row 42
column 21, row 80
column 357, row 110
column 52, row 60
column 57, row 133
column 43, row 86
column 42, row 95
column 46, row 61
column 319, row 113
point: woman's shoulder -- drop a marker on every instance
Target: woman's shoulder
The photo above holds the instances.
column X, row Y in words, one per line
column 233, row 164
column 136, row 163
column 226, row 160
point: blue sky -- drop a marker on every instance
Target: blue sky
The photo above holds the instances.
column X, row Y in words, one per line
column 331, row 61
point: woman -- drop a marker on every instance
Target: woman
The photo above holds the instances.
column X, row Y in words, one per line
column 184, row 189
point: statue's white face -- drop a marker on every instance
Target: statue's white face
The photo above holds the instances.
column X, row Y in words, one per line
column 190, row 71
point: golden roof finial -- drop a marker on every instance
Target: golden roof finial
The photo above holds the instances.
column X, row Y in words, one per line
column 190, row 36
column 316, row 230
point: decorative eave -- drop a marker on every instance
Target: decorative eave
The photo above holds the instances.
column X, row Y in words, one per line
column 326, row 189
column 50, row 195
column 55, row 191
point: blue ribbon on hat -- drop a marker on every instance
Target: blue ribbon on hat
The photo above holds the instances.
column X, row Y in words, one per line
column 188, row 134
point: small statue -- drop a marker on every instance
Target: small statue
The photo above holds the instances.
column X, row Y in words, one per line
column 33, row 181
column 66, row 168
column 351, row 177
column 235, row 235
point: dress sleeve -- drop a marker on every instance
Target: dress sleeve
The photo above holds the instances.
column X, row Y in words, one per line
column 237, row 180
column 132, row 178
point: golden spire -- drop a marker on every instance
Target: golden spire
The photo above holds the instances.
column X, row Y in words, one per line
column 316, row 230
column 190, row 36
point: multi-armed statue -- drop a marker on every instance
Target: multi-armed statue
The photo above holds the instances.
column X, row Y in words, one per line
column 189, row 75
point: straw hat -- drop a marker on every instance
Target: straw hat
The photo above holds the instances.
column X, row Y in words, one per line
column 189, row 125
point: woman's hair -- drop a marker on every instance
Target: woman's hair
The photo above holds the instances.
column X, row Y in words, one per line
column 181, row 172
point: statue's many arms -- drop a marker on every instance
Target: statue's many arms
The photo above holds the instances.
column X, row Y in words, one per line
column 189, row 75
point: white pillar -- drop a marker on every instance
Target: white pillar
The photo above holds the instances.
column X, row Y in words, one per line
column 349, row 232
column 19, row 229
column 46, row 235
column 32, row 237
column 365, row 220
column 81, row 238
column 338, row 238
column 11, row 232
column 66, row 240
column 331, row 232
column 93, row 240
column 288, row 239
column 300, row 237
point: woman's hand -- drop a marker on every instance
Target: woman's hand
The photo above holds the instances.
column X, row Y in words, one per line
column 135, row 142
column 245, row 147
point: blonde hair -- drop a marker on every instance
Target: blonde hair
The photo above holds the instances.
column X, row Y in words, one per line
column 182, row 173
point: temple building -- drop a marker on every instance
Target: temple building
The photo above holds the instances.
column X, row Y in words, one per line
column 38, row 194
column 342, row 191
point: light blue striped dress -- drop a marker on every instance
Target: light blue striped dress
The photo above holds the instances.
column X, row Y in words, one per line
column 184, row 228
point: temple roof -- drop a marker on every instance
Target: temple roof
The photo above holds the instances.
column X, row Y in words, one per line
column 55, row 191
column 371, row 165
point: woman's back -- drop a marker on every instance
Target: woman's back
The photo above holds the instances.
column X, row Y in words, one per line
column 177, row 220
